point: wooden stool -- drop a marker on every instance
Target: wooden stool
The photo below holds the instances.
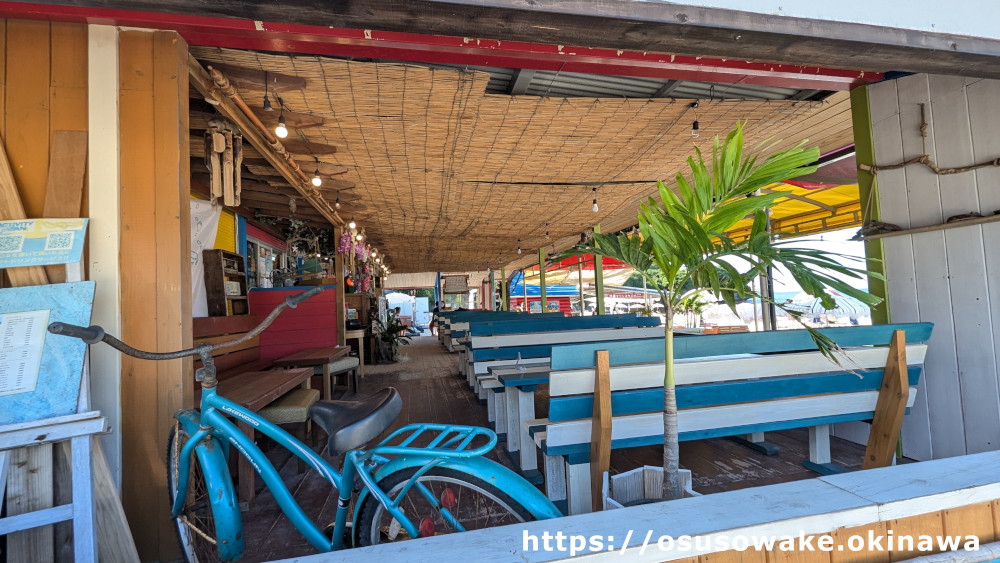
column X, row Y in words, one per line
column 293, row 408
column 348, row 366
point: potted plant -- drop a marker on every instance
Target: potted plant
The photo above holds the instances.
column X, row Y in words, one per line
column 391, row 334
column 684, row 237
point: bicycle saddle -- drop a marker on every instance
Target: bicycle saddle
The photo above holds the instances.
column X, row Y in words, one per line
column 352, row 424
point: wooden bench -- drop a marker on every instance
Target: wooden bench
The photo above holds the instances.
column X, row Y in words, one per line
column 503, row 343
column 727, row 385
column 453, row 323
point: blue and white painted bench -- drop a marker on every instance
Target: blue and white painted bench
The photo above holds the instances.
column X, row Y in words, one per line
column 727, row 385
column 499, row 344
column 455, row 323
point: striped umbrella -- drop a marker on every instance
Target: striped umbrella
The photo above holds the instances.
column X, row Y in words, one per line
column 846, row 306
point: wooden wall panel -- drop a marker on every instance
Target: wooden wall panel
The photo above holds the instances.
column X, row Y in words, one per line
column 26, row 112
column 155, row 269
column 947, row 277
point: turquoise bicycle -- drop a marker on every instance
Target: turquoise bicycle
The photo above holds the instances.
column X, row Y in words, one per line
column 399, row 490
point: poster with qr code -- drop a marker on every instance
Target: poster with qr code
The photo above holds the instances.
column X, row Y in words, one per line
column 41, row 242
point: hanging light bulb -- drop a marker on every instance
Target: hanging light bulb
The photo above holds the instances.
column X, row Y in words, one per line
column 360, row 237
column 378, row 260
column 336, row 204
column 546, row 231
column 595, row 208
column 316, row 180
column 352, row 224
column 518, row 246
column 694, row 126
column 267, row 100
column 281, row 131
column 374, row 251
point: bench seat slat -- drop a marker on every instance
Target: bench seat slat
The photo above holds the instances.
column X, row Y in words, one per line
column 714, row 394
column 860, row 405
column 726, row 368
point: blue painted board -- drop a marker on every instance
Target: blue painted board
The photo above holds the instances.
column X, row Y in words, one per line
column 713, row 394
column 553, row 324
column 58, row 387
column 579, row 453
column 574, row 356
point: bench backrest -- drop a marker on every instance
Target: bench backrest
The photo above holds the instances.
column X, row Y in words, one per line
column 539, row 323
column 760, row 384
column 541, row 344
column 217, row 329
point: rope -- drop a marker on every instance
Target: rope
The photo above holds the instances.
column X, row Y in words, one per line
column 926, row 160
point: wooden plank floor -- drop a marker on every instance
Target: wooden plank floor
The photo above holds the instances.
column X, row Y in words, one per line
column 427, row 379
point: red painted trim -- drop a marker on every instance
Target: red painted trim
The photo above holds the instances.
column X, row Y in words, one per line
column 288, row 38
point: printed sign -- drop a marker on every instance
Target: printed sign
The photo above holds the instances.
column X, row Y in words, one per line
column 40, row 242
column 21, row 338
column 456, row 284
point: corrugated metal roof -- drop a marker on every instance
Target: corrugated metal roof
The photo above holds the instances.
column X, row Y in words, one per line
column 578, row 85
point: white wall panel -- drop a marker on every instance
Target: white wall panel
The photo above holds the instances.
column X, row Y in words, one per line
column 946, row 277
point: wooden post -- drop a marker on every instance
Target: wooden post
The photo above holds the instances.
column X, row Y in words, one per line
column 599, row 278
column 600, row 430
column 890, row 407
column 541, row 278
column 338, row 266
column 579, row 275
column 504, row 302
column 493, row 292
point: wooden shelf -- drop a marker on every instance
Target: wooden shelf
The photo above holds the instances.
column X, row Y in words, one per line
column 224, row 268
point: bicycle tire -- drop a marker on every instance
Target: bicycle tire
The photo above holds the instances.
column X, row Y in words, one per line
column 198, row 530
column 373, row 518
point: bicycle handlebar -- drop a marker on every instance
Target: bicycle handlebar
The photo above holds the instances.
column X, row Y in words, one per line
column 95, row 334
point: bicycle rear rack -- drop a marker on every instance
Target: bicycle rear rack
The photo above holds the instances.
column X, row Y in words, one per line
column 450, row 441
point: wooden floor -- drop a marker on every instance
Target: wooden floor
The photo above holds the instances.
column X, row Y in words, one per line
column 427, row 379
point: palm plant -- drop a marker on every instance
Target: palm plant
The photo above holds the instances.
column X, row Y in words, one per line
column 684, row 236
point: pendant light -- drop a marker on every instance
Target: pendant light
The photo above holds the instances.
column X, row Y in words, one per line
column 316, row 180
column 595, row 208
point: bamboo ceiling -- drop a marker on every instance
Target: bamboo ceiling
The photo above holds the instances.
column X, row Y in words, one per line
column 447, row 178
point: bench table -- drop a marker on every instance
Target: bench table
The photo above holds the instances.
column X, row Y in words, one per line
column 519, row 399
column 312, row 357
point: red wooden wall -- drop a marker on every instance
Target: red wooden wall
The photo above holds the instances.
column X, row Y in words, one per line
column 312, row 324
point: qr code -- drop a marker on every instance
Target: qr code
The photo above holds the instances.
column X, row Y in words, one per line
column 59, row 241
column 11, row 243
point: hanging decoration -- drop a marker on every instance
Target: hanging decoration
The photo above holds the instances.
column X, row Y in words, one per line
column 224, row 159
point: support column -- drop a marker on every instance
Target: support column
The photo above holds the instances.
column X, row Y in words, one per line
column 493, row 291
column 541, row 278
column 579, row 275
column 599, row 278
column 338, row 267
column 503, row 289
column 864, row 152
column 155, row 261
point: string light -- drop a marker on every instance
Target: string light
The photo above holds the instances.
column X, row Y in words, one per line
column 267, row 100
column 352, row 224
column 518, row 246
column 316, row 180
column 546, row 231
column 694, row 126
column 336, row 204
column 595, row 208
column 374, row 251
column 281, row 131
column 360, row 237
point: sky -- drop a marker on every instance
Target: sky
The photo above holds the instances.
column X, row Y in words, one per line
column 838, row 242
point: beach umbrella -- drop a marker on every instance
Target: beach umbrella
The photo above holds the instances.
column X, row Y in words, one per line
column 846, row 306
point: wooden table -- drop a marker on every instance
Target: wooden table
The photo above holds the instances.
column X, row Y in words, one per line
column 358, row 335
column 311, row 357
column 255, row 390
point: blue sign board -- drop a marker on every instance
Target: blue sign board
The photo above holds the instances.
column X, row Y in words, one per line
column 40, row 242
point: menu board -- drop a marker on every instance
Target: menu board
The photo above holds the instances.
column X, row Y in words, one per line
column 456, row 284
column 22, row 336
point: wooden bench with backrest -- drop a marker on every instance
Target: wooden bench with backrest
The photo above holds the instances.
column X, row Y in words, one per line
column 727, row 385
column 456, row 323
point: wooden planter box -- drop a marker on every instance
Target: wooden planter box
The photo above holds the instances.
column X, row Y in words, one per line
column 640, row 486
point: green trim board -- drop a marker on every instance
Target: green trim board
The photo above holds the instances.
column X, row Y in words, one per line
column 864, row 153
column 56, row 390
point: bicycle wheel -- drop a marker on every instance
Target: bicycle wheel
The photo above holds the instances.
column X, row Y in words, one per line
column 199, row 531
column 472, row 501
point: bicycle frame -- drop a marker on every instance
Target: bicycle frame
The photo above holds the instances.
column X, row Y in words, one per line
column 450, row 448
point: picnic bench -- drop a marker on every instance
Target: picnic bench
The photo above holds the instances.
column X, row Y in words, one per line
column 452, row 324
column 727, row 385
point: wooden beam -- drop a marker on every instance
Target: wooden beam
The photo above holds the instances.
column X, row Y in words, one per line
column 12, row 208
column 325, row 168
column 253, row 79
column 65, row 183
column 228, row 106
column 600, row 430
column 890, row 407
column 305, row 147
